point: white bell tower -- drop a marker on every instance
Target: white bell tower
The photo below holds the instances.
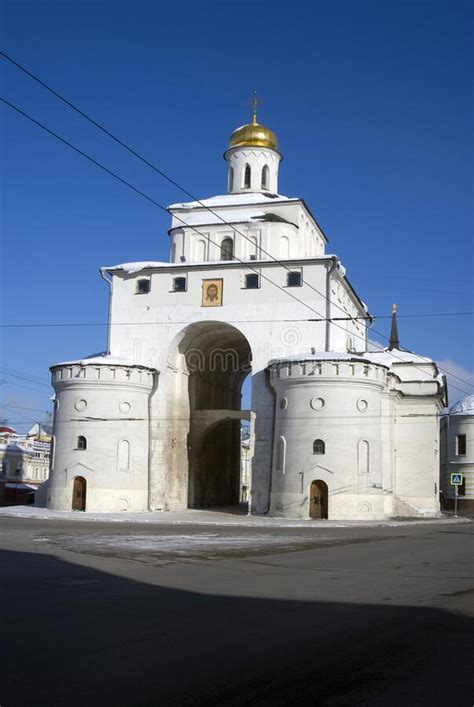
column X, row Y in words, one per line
column 253, row 158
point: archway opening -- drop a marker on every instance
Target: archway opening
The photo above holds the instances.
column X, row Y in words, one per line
column 318, row 499
column 217, row 359
column 216, row 477
column 79, row 492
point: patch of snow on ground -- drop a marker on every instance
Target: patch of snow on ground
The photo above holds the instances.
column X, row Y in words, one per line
column 209, row 518
column 178, row 544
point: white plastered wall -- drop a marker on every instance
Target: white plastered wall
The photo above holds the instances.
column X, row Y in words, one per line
column 108, row 405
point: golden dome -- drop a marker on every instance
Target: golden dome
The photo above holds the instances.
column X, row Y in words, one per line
column 253, row 134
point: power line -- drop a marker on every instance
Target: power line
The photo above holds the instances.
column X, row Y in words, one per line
column 163, row 174
column 21, row 385
column 160, row 206
column 30, row 379
column 153, row 167
column 229, row 321
column 179, row 186
column 149, row 198
column 47, row 385
column 313, row 416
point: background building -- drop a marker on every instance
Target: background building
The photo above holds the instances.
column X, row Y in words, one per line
column 24, row 463
column 457, row 453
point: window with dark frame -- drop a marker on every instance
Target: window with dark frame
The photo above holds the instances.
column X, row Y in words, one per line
column 252, row 281
column 81, row 443
column 293, row 279
column 179, row 284
column 319, row 447
column 227, row 249
column 461, row 444
column 143, row 287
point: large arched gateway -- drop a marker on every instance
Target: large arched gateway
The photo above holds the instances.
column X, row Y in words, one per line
column 212, row 359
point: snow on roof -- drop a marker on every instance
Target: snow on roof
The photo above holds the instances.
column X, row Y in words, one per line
column 233, row 200
column 465, row 406
column 139, row 265
column 383, row 357
column 132, row 268
column 320, row 356
column 389, row 358
column 208, row 217
column 101, row 358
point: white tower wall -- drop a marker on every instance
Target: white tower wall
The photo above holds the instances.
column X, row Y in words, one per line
column 256, row 158
column 340, row 403
column 381, row 436
column 108, row 406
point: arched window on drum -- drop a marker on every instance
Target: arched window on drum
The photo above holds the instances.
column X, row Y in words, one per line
column 247, row 176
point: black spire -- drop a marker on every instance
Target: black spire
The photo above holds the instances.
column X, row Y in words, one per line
column 394, row 340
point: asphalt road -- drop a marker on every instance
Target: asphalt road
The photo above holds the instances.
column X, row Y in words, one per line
column 115, row 614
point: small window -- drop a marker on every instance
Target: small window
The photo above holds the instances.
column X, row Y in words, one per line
column 294, row 279
column 231, row 179
column 461, row 444
column 319, row 447
column 247, row 176
column 252, row 282
column 81, row 443
column 179, row 284
column 265, row 175
column 143, row 287
column 227, row 249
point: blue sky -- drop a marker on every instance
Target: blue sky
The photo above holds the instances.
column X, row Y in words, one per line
column 373, row 106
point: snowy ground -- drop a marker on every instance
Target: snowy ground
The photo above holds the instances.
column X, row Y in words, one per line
column 223, row 517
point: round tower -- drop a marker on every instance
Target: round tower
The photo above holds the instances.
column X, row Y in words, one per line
column 100, row 445
column 328, row 439
column 253, row 158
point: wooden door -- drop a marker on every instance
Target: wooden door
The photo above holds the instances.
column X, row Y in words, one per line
column 318, row 500
column 79, row 494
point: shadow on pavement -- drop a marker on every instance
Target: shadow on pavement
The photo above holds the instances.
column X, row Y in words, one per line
column 72, row 635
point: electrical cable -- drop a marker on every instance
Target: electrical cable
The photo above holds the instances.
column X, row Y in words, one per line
column 153, row 201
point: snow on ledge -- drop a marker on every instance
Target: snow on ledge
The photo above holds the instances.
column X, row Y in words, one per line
column 383, row 357
column 103, row 359
column 233, row 200
column 132, row 268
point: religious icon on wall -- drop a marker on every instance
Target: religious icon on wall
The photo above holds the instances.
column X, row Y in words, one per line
column 211, row 293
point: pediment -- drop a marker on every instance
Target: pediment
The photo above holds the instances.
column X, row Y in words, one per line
column 79, row 469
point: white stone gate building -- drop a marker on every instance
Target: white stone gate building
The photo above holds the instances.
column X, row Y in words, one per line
column 154, row 424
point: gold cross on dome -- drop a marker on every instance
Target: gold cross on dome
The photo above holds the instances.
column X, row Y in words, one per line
column 254, row 103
